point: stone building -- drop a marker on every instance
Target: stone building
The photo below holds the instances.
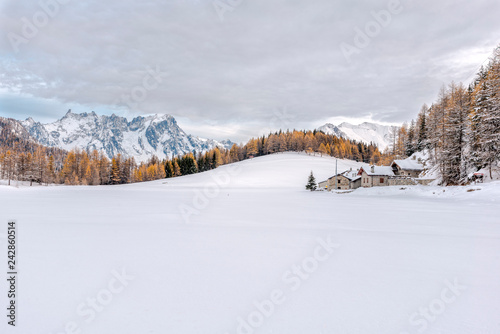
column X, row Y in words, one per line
column 323, row 185
column 375, row 176
column 344, row 181
column 407, row 167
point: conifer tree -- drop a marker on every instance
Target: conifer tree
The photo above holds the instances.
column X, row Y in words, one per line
column 311, row 182
column 104, row 175
column 410, row 140
column 322, row 149
column 451, row 156
column 422, row 128
column 489, row 128
column 115, row 171
column 176, row 168
column 233, row 153
column 252, row 148
column 169, row 169
column 51, row 170
column 9, row 161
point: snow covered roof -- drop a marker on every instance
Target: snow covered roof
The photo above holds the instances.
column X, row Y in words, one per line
column 348, row 174
column 378, row 170
column 409, row 164
column 351, row 175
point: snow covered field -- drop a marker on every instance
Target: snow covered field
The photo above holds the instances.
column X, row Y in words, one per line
column 245, row 249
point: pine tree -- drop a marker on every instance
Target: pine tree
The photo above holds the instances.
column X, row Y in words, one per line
column 410, row 145
column 422, row 128
column 169, row 169
column 311, row 182
column 490, row 118
column 188, row 164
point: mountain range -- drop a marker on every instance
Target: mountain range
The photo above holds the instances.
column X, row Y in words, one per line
column 141, row 138
column 366, row 132
column 145, row 136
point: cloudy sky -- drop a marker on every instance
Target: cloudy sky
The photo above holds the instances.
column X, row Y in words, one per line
column 238, row 68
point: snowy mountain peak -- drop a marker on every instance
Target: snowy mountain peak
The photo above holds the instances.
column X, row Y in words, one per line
column 141, row 138
column 28, row 120
column 366, row 132
column 331, row 129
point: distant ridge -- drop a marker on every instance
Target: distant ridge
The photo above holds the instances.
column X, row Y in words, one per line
column 140, row 138
column 366, row 132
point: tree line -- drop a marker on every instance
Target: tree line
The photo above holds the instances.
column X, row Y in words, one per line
column 289, row 141
column 24, row 160
column 461, row 130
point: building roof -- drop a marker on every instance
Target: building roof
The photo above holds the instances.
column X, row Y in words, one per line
column 377, row 171
column 351, row 175
column 409, row 164
column 348, row 174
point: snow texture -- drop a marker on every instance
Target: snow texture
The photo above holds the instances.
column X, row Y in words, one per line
column 379, row 170
column 410, row 164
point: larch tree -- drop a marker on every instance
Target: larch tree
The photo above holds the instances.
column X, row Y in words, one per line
column 115, row 171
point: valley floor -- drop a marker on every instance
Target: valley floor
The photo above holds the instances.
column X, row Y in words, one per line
column 245, row 249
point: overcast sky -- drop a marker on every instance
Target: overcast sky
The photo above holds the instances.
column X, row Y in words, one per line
column 238, row 68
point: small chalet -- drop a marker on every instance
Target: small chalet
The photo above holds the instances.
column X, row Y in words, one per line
column 407, row 167
column 375, row 176
column 344, row 181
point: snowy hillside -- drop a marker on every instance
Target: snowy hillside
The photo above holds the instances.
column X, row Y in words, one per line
column 140, row 138
column 365, row 132
column 245, row 249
